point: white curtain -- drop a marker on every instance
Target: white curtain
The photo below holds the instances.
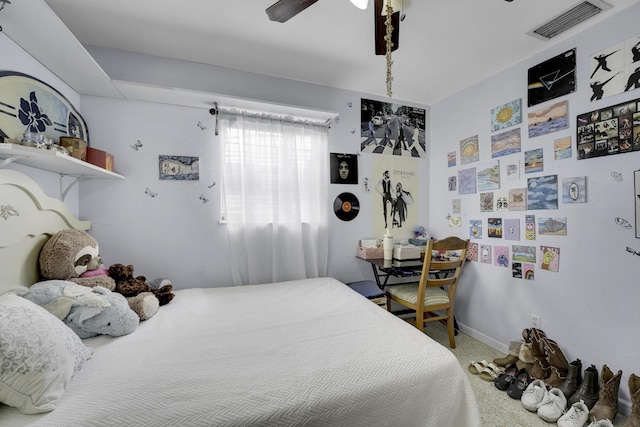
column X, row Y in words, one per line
column 275, row 192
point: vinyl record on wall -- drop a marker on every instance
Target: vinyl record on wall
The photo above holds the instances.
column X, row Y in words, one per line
column 346, row 206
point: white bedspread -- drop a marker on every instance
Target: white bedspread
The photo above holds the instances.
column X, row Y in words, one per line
column 310, row 353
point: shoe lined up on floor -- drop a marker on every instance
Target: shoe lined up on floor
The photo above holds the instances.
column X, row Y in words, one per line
column 552, row 406
column 505, row 378
column 533, row 395
column 537, row 373
column 576, row 416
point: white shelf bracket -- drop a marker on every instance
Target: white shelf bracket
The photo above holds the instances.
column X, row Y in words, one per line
column 9, row 160
column 71, row 184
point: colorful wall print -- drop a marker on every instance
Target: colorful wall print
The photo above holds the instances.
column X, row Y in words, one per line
column 392, row 129
column 506, row 115
column 472, row 252
column 179, row 168
column 542, row 192
column 609, row 130
column 518, row 199
column 486, row 202
column 502, row 201
column 505, row 143
column 549, row 119
column 455, row 222
column 501, row 256
column 530, row 227
column 494, row 227
column 552, row 226
column 467, row 181
column 511, row 229
column 489, row 176
column 533, row 161
column 550, row 258
column 469, row 150
column 528, row 271
column 523, row 253
column 485, row 254
column 615, row 69
column 451, row 159
column 475, row 229
column 574, row 189
column 562, row 148
column 552, row 78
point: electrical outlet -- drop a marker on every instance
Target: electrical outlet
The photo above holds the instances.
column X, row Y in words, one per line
column 535, row 321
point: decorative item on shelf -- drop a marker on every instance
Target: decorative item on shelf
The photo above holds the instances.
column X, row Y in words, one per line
column 370, row 249
column 76, row 146
column 100, row 158
column 387, row 244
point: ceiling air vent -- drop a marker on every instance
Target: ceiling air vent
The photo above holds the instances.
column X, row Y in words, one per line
column 569, row 19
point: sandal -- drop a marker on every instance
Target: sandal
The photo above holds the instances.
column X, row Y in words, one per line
column 491, row 372
column 476, row 367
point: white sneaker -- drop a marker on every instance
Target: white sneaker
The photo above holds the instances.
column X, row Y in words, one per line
column 577, row 416
column 601, row 423
column 533, row 395
column 552, row 406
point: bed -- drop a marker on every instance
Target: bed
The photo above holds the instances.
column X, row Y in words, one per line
column 310, row 352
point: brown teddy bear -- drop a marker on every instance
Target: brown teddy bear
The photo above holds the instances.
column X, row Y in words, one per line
column 129, row 286
column 74, row 255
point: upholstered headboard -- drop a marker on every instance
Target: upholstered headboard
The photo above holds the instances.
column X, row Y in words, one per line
column 28, row 217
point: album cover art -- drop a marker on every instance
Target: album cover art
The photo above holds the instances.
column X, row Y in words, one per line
column 552, row 78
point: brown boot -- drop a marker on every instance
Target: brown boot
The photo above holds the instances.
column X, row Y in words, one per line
column 557, row 361
column 634, row 391
column 607, row 405
column 541, row 368
column 512, row 357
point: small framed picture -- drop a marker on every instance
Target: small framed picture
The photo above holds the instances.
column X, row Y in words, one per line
column 344, row 168
column 179, row 168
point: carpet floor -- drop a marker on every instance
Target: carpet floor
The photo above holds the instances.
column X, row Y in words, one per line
column 497, row 409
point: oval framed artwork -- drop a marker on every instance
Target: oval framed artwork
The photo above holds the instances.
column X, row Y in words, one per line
column 31, row 105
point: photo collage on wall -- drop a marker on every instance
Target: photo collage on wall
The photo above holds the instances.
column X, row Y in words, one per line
column 610, row 130
column 497, row 186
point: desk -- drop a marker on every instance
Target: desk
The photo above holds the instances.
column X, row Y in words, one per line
column 385, row 269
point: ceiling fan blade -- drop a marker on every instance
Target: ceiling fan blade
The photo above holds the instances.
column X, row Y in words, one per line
column 283, row 10
column 381, row 28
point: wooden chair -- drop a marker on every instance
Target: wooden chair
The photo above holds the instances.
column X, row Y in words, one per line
column 433, row 297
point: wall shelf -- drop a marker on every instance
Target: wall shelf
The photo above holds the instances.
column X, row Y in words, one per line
column 53, row 161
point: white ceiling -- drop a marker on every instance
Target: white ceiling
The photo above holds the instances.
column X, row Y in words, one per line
column 445, row 45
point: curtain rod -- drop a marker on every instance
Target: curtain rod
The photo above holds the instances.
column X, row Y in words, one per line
column 233, row 112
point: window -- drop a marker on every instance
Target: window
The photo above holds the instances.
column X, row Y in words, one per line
column 274, row 195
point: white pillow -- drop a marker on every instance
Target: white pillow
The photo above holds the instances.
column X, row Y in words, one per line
column 38, row 355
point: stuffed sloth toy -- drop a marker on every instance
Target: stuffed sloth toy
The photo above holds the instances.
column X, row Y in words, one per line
column 74, row 255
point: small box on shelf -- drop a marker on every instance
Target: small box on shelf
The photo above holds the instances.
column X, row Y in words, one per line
column 77, row 147
column 100, row 158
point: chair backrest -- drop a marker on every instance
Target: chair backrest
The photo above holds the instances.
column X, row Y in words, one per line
column 443, row 262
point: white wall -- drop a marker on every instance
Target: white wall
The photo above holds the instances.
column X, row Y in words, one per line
column 590, row 307
column 174, row 234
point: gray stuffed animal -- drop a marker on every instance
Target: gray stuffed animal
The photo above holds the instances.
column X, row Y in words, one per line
column 87, row 311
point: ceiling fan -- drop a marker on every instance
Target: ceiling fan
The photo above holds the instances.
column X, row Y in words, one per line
column 283, row 10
